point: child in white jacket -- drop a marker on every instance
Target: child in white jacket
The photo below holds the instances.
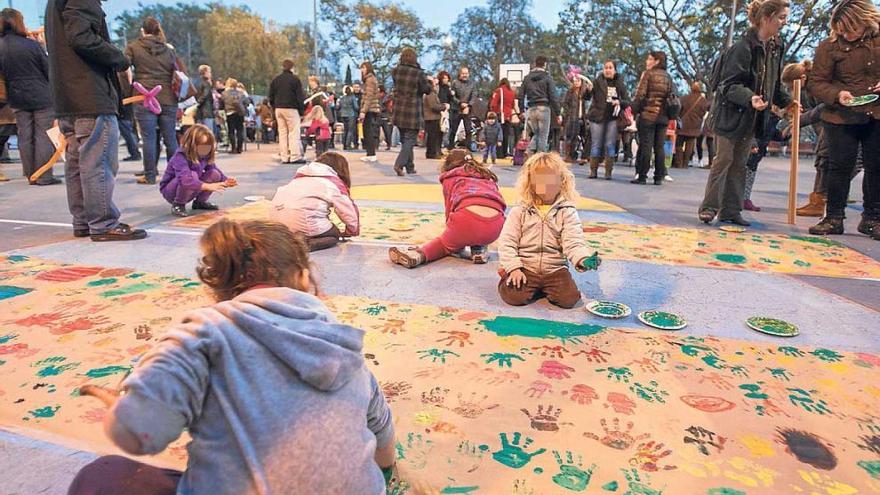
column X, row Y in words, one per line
column 319, row 188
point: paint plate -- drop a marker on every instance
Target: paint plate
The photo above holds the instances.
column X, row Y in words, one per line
column 862, row 100
column 772, row 326
column 401, row 227
column 732, row 228
column 257, row 197
column 662, row 320
column 608, row 309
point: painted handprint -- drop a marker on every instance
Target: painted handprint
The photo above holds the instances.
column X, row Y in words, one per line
column 615, row 437
column 827, row 355
column 779, row 373
column 740, row 371
column 393, row 327
column 499, row 377
column 435, row 397
column 515, row 454
column 415, row 451
column 582, row 394
column 571, row 475
column 593, row 355
column 395, row 390
column 637, row 485
column 502, row 358
column 804, row 399
column 473, row 406
column 790, row 351
column 544, row 419
column 648, row 456
column 646, row 365
column 617, row 374
column 436, row 354
column 555, row 370
column 455, row 337
column 537, row 389
column 620, row 403
column 554, row 351
column 650, row 392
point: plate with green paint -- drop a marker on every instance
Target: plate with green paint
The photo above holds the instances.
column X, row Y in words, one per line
column 772, row 326
column 608, row 309
column 862, row 100
column 662, row 320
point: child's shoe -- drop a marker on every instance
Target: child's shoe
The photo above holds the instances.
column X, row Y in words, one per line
column 479, row 255
column 179, row 210
column 199, row 205
column 409, row 258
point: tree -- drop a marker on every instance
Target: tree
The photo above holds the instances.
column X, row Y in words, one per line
column 377, row 32
column 301, row 38
column 242, row 45
column 180, row 23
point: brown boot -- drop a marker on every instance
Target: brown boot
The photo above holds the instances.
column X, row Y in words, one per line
column 609, row 166
column 814, row 208
column 594, row 168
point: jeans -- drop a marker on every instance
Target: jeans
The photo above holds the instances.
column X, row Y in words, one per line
column 843, row 142
column 454, row 119
column 90, row 171
column 726, row 184
column 129, row 135
column 148, row 122
column 349, row 132
column 603, row 134
column 34, row 145
column 491, row 151
column 652, row 136
column 371, row 132
column 408, row 138
column 209, row 123
column 290, row 147
column 538, row 123
column 235, row 127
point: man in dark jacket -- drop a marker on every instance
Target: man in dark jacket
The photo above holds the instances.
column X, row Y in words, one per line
column 287, row 98
column 82, row 69
column 463, row 94
column 540, row 95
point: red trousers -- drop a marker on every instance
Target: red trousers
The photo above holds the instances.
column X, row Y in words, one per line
column 463, row 228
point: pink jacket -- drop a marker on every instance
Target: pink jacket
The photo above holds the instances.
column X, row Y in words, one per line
column 462, row 188
column 305, row 203
column 320, row 129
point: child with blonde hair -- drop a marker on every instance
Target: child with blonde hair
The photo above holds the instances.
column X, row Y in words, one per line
column 542, row 235
column 474, row 213
column 192, row 173
column 310, row 418
column 319, row 127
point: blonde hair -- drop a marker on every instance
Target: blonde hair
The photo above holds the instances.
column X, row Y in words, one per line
column 762, row 9
column 853, row 15
column 795, row 71
column 317, row 113
column 550, row 161
column 192, row 138
column 231, row 83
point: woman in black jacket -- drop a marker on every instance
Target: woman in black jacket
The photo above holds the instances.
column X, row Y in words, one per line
column 154, row 64
column 25, row 65
column 609, row 99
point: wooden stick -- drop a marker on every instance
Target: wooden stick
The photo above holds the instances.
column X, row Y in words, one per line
column 62, row 143
column 795, row 150
column 133, row 99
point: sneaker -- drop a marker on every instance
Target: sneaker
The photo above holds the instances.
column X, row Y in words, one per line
column 365, row 159
column 139, row 174
column 51, row 182
column 132, row 159
column 122, row 232
column 412, row 172
column 869, row 226
column 736, row 220
column 828, row 226
column 639, row 180
column 479, row 255
column 179, row 210
column 668, row 178
column 372, row 159
column 199, row 205
column 658, row 182
column 409, row 258
column 81, row 232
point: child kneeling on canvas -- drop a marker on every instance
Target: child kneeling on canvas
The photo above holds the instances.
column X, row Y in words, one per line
column 541, row 235
column 317, row 190
column 474, row 213
column 273, row 391
column 192, row 173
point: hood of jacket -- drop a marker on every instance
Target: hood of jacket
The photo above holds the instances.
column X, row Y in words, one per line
column 316, row 169
column 301, row 332
column 537, row 75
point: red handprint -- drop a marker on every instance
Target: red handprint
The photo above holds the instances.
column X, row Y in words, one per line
column 620, row 403
column 649, row 454
column 537, row 389
column 83, row 323
column 720, row 382
column 454, row 336
column 555, row 370
column 555, row 351
column 594, row 355
column 583, row 394
column 646, row 364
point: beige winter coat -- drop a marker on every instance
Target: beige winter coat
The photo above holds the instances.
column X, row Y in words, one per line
column 542, row 244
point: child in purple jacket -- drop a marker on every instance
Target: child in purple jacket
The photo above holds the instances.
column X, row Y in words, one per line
column 192, row 174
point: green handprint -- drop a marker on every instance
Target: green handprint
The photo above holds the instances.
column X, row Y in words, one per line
column 804, row 399
column 619, row 374
column 436, row 354
column 740, row 371
column 415, row 451
column 375, row 309
column 590, row 263
column 571, row 476
column 753, row 390
column 693, row 350
column 790, row 351
column 513, row 454
column 53, row 370
column 503, row 358
column 827, row 355
column 637, row 486
column 779, row 373
column 649, row 393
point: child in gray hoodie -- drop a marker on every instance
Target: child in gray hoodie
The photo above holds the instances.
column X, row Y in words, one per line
column 273, row 391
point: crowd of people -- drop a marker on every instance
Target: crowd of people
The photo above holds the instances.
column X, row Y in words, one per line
column 259, row 272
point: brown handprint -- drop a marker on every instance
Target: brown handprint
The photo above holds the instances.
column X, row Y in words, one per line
column 395, row 390
column 435, row 397
column 615, row 437
column 555, row 351
column 393, row 326
column 544, row 419
column 593, row 355
column 555, row 370
column 455, row 337
column 646, row 364
column 537, row 388
column 473, row 406
column 648, row 455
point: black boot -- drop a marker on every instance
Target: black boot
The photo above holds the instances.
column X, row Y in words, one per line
column 639, row 180
column 869, row 226
column 179, row 210
column 828, row 226
column 200, row 205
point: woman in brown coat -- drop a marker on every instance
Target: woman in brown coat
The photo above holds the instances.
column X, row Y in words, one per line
column 370, row 111
column 655, row 87
column 693, row 109
column 433, row 108
column 846, row 66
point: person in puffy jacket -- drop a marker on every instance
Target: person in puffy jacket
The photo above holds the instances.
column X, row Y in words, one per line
column 474, row 213
column 305, row 203
column 542, row 235
column 651, row 102
column 310, row 418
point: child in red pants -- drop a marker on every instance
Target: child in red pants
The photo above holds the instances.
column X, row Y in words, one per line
column 474, row 213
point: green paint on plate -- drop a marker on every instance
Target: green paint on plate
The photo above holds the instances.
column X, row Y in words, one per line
column 862, row 100
column 505, row 326
column 662, row 320
column 736, row 259
column 772, row 326
column 608, row 309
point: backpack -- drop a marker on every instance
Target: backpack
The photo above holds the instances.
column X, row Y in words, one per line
column 714, row 86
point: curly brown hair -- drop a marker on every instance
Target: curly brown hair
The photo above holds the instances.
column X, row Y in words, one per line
column 242, row 255
column 462, row 158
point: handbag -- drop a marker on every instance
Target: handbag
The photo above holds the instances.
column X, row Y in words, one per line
column 181, row 86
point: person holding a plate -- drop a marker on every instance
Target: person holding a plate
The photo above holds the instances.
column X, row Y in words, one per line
column 846, row 76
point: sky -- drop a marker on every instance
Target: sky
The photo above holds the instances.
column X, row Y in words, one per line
column 434, row 13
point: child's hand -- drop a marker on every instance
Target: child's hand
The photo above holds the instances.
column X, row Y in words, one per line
column 231, row 182
column 517, row 279
column 213, row 186
column 105, row 395
column 590, row 263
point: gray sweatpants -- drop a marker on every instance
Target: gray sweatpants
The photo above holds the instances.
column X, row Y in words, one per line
column 727, row 179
